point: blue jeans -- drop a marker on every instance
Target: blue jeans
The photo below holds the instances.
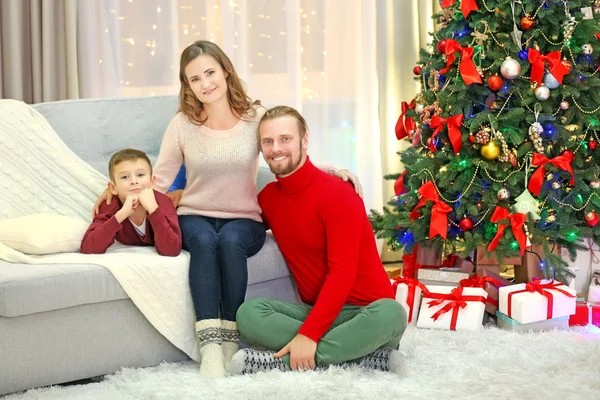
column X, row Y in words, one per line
column 219, row 250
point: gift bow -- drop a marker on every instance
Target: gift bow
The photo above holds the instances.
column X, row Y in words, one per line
column 399, row 184
column 466, row 6
column 412, row 284
column 562, row 162
column 467, row 68
column 405, row 124
column 453, row 124
column 555, row 65
column 439, row 212
column 516, row 222
column 536, row 285
column 479, row 282
column 456, row 300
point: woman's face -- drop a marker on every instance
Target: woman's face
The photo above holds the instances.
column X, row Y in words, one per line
column 207, row 79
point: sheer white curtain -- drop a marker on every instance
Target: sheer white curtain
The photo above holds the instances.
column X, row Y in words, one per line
column 318, row 56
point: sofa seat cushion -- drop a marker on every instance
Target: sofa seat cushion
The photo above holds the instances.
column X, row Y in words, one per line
column 28, row 289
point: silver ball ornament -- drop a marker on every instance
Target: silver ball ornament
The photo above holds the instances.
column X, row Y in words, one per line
column 564, row 105
column 587, row 49
column 503, row 194
column 555, row 185
column 550, row 81
column 595, row 184
column 596, row 10
column 419, row 108
column 542, row 93
column 536, row 127
column 510, row 68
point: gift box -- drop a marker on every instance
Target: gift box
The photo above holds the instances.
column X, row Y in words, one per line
column 586, row 262
column 537, row 300
column 585, row 313
column 482, row 258
column 428, row 257
column 441, row 277
column 594, row 290
column 510, row 324
column 530, row 267
column 408, row 293
column 444, row 307
column 464, row 265
column 490, row 282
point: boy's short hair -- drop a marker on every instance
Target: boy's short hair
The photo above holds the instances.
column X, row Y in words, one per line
column 126, row 155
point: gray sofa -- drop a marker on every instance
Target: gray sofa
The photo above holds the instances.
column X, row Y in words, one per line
column 60, row 323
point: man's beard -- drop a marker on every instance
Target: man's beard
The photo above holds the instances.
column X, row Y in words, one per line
column 284, row 169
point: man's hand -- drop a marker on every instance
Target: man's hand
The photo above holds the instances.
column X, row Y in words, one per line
column 129, row 207
column 106, row 195
column 175, row 196
column 346, row 175
column 302, row 352
column 148, row 200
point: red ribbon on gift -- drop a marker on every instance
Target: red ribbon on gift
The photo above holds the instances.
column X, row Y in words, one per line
column 467, row 68
column 399, row 184
column 453, row 124
column 538, row 61
column 457, row 300
column 562, row 162
column 537, row 286
column 439, row 212
column 408, row 263
column 466, row 6
column 412, row 284
column 516, row 222
column 479, row 282
column 405, row 124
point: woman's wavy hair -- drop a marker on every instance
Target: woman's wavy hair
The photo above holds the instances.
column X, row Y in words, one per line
column 189, row 104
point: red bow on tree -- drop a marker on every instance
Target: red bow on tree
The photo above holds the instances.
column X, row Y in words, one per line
column 439, row 212
column 467, row 68
column 405, row 124
column 399, row 184
column 562, row 162
column 516, row 222
column 466, row 6
column 454, row 123
column 555, row 65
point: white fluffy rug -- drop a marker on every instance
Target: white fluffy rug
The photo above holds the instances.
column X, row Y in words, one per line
column 489, row 364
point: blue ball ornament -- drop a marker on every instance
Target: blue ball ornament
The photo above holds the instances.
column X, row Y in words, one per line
column 550, row 81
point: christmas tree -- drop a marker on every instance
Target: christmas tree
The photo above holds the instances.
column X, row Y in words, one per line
column 504, row 133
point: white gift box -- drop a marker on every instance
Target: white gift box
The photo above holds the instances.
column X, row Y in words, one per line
column 468, row 318
column 402, row 297
column 594, row 292
column 532, row 306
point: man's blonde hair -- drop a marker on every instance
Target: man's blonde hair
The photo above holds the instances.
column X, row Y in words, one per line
column 284, row 111
column 126, row 155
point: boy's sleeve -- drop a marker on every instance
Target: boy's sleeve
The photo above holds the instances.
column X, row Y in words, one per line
column 165, row 225
column 102, row 232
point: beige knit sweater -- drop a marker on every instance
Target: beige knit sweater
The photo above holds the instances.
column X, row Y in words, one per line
column 221, row 167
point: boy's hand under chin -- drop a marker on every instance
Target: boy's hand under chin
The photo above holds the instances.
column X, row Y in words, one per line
column 148, row 200
column 130, row 206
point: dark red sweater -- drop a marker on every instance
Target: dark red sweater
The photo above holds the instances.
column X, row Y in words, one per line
column 326, row 240
column 162, row 229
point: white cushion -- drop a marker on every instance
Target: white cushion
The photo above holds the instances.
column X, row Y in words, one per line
column 43, row 233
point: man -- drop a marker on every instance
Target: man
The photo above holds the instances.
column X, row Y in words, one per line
column 349, row 312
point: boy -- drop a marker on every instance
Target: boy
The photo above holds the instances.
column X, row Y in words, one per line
column 140, row 217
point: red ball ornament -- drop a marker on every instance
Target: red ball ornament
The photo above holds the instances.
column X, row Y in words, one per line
column 495, row 82
column 441, row 46
column 567, row 152
column 591, row 218
column 417, row 70
column 527, row 23
column 465, row 224
column 592, row 144
column 567, row 65
column 471, row 139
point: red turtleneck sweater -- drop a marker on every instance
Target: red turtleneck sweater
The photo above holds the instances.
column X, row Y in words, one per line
column 326, row 239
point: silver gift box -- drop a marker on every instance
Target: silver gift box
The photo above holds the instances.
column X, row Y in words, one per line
column 448, row 275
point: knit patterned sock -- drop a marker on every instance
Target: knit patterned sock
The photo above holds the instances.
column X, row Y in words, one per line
column 382, row 360
column 249, row 361
column 231, row 341
column 208, row 334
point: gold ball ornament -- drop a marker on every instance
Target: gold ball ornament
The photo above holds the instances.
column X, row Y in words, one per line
column 490, row 151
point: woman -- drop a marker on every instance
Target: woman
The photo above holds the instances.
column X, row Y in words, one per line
column 214, row 132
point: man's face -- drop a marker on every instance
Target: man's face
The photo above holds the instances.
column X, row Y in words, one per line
column 130, row 178
column 281, row 145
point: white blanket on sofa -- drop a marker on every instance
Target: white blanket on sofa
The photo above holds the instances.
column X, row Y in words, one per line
column 40, row 174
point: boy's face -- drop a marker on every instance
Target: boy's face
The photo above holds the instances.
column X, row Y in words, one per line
column 130, row 178
column 281, row 145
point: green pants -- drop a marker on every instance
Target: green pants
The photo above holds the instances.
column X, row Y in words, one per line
column 357, row 331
